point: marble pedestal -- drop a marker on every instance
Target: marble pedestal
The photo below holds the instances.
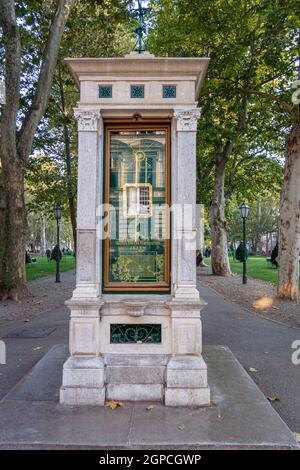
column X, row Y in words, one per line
column 172, row 371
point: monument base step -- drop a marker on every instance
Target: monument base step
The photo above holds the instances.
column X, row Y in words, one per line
column 240, row 416
column 135, row 378
column 135, row 392
column 132, row 369
column 187, row 396
column 135, row 375
column 75, row 396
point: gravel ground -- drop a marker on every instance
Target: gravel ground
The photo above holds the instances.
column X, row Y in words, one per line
column 46, row 295
column 257, row 296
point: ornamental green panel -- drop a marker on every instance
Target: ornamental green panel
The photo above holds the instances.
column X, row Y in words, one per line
column 169, row 91
column 105, row 91
column 137, row 91
column 135, row 333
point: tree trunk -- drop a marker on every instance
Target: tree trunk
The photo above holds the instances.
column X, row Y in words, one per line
column 219, row 249
column 12, row 203
column 267, row 244
column 13, row 236
column 68, row 158
column 256, row 246
column 71, row 196
column 43, row 235
column 15, row 151
column 40, row 98
column 289, row 228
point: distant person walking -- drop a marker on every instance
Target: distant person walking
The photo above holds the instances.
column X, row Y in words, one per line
column 48, row 254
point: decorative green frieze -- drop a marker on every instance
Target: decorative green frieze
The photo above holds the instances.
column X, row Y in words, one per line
column 135, row 333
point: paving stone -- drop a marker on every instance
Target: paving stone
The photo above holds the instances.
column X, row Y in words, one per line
column 31, row 332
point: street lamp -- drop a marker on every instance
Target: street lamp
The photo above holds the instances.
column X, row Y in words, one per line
column 244, row 211
column 57, row 213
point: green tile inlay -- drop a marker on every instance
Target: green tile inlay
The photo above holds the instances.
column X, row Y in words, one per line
column 135, row 333
column 105, row 91
column 169, row 91
column 137, row 91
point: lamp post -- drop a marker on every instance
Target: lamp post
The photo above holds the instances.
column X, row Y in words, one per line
column 57, row 213
column 244, row 211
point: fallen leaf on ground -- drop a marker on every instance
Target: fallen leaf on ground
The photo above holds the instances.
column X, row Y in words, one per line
column 273, row 398
column 112, row 404
column 297, row 436
column 264, row 302
column 252, row 369
column 150, row 407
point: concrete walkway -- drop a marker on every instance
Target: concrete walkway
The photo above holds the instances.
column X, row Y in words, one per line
column 260, row 344
column 239, row 417
column 257, row 343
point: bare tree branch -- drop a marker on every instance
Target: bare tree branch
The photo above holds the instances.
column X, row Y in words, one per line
column 284, row 104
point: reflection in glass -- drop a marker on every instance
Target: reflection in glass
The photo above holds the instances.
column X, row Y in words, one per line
column 138, row 197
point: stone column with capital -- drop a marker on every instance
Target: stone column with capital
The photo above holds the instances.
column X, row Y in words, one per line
column 88, row 154
column 186, row 370
column 185, row 198
column 83, row 372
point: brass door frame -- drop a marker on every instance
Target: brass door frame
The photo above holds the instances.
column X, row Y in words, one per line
column 130, row 125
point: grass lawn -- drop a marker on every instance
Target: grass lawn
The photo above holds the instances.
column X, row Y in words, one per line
column 42, row 267
column 257, row 267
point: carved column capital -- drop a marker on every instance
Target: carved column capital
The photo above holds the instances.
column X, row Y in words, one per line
column 87, row 119
column 187, row 119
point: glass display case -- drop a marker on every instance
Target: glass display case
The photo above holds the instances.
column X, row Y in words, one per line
column 137, row 191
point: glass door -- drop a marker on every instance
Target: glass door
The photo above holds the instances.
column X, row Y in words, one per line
column 137, row 190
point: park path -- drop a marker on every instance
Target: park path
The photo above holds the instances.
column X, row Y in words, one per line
column 257, row 343
column 257, row 295
column 260, row 344
column 46, row 295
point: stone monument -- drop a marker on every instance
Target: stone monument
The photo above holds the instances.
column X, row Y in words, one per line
column 135, row 326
